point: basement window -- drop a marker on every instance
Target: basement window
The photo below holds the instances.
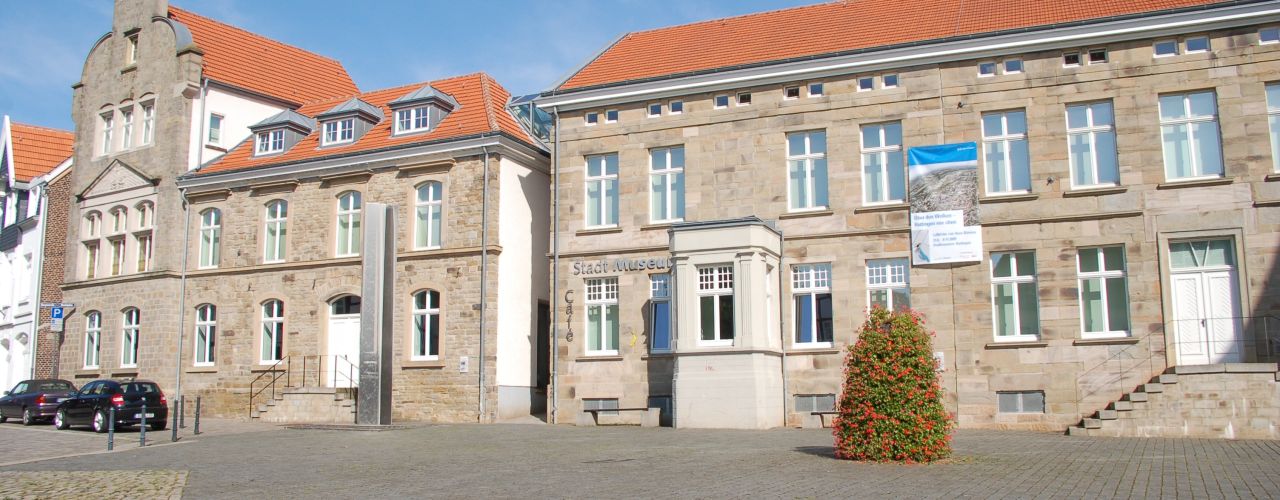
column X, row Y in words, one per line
column 1021, row 401
column 609, row 405
column 809, row 403
column 1070, row 59
column 1097, row 56
column 791, row 93
column 592, row 118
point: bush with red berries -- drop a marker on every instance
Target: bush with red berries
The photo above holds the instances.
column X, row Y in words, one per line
column 890, row 408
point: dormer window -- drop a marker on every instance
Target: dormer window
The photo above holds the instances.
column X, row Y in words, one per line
column 271, row 141
column 413, row 120
column 338, row 132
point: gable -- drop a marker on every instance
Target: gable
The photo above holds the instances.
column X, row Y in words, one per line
column 117, row 177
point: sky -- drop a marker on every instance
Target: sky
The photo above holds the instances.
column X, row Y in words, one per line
column 527, row 45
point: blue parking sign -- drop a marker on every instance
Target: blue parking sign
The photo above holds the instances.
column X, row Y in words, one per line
column 55, row 312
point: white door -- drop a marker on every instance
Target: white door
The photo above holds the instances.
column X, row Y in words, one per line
column 341, row 365
column 1207, row 326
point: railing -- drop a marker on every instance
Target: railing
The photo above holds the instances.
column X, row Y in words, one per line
column 1133, row 365
column 333, row 369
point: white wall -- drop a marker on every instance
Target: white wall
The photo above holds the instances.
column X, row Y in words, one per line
column 523, row 232
column 238, row 111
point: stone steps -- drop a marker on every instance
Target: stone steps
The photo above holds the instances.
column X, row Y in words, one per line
column 308, row 405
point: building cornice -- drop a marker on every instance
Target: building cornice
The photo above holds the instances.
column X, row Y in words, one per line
column 879, row 59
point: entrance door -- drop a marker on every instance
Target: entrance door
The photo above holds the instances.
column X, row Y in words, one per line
column 1206, row 305
column 341, row 367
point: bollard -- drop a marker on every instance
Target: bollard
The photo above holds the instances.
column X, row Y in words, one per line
column 197, row 429
column 142, row 426
column 111, row 429
column 182, row 411
column 173, row 438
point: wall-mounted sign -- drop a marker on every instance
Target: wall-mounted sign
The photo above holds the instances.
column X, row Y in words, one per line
column 944, row 204
column 620, row 265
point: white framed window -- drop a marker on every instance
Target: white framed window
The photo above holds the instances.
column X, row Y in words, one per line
column 1005, row 67
column 413, row 119
column 117, row 255
column 148, row 122
column 146, row 215
column 108, row 128
column 866, row 83
column 889, row 81
column 129, row 338
column 1196, row 44
column 666, row 184
column 215, row 128
column 119, row 220
column 1004, row 152
column 602, row 316
column 92, row 339
column 206, row 337
column 1273, row 122
column 602, row 190
column 144, row 252
column 1189, row 133
column 91, row 260
column 655, row 110
column 987, row 69
column 1098, row 55
column 715, row 306
column 426, row 325
column 813, row 323
column 888, row 283
column 675, row 107
column 611, row 116
column 275, row 231
column 883, row 172
column 815, row 89
column 1268, row 35
column 1071, row 59
column 791, row 93
column 210, row 237
column 1091, row 145
column 1165, row 48
column 1104, row 291
column 126, row 129
column 271, row 141
column 1015, row 300
column 271, row 342
column 807, row 170
column 131, row 52
column 744, row 98
column 348, row 231
column 591, row 118
column 1012, row 66
column 721, row 101
column 660, row 312
column 93, row 224
column 428, row 214
column 339, row 131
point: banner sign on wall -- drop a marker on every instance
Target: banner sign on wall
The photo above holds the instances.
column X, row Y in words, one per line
column 943, row 182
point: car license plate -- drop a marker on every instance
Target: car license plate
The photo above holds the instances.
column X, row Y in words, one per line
column 139, row 415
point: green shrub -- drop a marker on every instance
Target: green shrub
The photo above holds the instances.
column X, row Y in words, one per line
column 890, row 408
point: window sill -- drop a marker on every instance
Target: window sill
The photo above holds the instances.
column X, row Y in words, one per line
column 656, row 226
column 433, row 364
column 887, row 207
column 1016, row 345
column 125, row 372
column 812, row 350
column 1272, row 177
column 201, row 369
column 1094, row 191
column 215, row 147
column 598, row 358
column 809, row 213
column 1008, row 198
column 266, row 368
column 131, row 67
column 1106, row 341
column 658, row 354
column 87, row 373
column 601, row 230
column 1195, row 183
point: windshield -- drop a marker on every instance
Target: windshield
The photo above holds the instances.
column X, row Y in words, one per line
column 143, row 387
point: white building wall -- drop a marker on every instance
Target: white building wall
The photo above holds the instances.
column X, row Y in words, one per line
column 238, row 112
column 523, row 233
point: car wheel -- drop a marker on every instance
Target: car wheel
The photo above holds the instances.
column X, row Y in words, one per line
column 28, row 417
column 158, row 426
column 60, row 420
column 99, row 421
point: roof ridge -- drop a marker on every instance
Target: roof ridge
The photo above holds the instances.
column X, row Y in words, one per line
column 739, row 16
column 256, row 35
column 488, row 101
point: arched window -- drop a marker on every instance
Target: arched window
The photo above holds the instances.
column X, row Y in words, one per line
column 272, row 348
column 210, row 237
column 276, row 227
column 428, row 211
column 146, row 215
column 92, row 339
column 119, row 220
column 129, row 340
column 348, row 224
column 426, row 325
column 206, row 334
column 344, row 305
column 119, row 225
column 93, row 225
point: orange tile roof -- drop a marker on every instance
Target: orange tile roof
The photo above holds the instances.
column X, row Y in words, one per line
column 481, row 108
column 830, row 28
column 254, row 62
column 38, row 150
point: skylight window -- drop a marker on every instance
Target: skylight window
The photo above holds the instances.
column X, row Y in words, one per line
column 271, row 141
column 339, row 131
column 413, row 120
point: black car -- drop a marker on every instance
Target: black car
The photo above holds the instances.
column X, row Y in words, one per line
column 92, row 405
column 34, row 400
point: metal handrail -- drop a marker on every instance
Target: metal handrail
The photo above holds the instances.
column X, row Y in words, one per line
column 275, row 373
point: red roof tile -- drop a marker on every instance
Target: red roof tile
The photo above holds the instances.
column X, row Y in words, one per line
column 38, row 150
column 481, row 108
column 833, row 27
column 254, row 62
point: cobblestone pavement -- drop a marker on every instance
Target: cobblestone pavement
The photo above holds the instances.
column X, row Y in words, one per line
column 562, row 461
column 105, row 484
column 19, row 443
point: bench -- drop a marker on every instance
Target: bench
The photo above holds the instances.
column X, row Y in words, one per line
column 591, row 418
column 819, row 419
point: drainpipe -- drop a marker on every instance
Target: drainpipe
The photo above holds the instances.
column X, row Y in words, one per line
column 484, row 269
column 782, row 330
column 555, row 267
column 204, row 122
column 42, row 209
column 182, row 288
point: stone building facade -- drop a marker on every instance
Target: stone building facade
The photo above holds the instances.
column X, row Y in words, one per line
column 1098, row 269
